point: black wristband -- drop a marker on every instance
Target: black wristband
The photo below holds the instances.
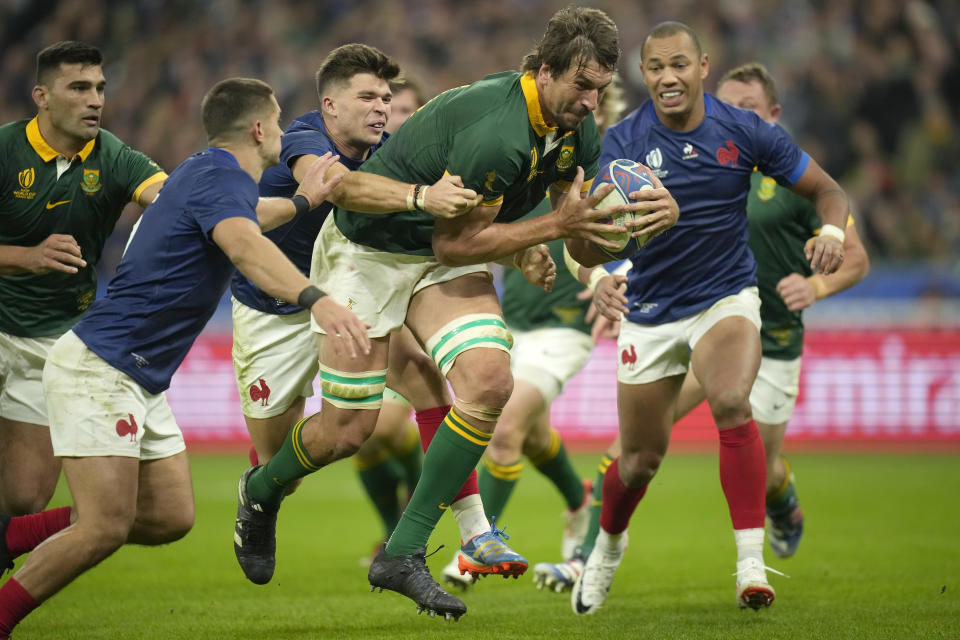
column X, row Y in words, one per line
column 309, row 296
column 416, row 197
column 300, row 203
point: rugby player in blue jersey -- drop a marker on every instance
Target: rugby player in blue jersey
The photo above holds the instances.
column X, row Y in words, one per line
column 692, row 296
column 122, row 451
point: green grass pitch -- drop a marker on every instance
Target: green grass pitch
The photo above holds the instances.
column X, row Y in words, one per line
column 880, row 559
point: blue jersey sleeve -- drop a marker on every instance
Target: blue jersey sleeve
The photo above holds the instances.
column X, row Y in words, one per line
column 223, row 196
column 302, row 143
column 779, row 156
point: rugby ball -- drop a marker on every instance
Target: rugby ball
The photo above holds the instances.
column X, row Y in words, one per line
column 626, row 176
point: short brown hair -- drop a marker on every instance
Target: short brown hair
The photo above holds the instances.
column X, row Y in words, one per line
column 575, row 35
column 670, row 28
column 65, row 52
column 231, row 104
column 754, row 72
column 404, row 82
column 346, row 61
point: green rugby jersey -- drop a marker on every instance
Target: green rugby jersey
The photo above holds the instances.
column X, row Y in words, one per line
column 780, row 223
column 527, row 307
column 492, row 134
column 84, row 202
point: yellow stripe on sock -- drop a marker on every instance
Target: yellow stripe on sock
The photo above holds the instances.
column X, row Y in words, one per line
column 503, row 471
column 301, row 453
column 465, row 430
column 371, row 460
column 605, row 462
column 413, row 438
column 550, row 452
column 776, row 495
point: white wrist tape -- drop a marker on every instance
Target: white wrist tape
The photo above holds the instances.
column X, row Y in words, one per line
column 598, row 274
column 832, row 231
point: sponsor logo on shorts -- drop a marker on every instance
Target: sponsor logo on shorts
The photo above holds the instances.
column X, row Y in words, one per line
column 350, row 302
column 140, row 360
column 443, row 506
column 127, row 428
column 629, row 357
column 261, row 393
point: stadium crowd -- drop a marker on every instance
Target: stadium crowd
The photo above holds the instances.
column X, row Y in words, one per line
column 873, row 87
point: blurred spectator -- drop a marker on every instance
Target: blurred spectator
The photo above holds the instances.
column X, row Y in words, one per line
column 873, row 85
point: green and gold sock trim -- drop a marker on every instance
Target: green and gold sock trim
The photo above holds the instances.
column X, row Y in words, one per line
column 465, row 430
column 503, row 471
column 550, row 452
column 412, row 440
column 375, row 459
column 296, row 440
column 605, row 462
column 777, row 496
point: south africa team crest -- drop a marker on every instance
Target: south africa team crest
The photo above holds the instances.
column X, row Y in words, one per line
column 90, row 183
column 768, row 188
column 565, row 161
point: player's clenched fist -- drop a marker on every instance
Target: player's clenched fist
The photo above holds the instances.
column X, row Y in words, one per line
column 58, row 252
column 537, row 266
column 345, row 331
column 448, row 198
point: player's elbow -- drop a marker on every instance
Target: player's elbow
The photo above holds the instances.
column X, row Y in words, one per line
column 452, row 256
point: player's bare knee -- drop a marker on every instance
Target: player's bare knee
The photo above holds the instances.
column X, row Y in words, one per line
column 353, row 432
column 638, row 468
column 506, row 447
column 730, row 407
column 490, row 384
column 25, row 500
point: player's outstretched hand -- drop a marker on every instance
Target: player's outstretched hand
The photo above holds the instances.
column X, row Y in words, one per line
column 58, row 252
column 344, row 329
column 660, row 211
column 317, row 183
column 447, row 198
column 609, row 297
column 796, row 291
column 577, row 216
column 538, row 267
column 825, row 254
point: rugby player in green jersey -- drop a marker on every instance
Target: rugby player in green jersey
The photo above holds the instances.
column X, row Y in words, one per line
column 510, row 136
column 553, row 336
column 64, row 182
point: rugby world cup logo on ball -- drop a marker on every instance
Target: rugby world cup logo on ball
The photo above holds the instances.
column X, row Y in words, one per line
column 626, row 176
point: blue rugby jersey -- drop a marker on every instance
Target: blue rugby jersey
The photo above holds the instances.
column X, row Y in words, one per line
column 704, row 257
column 306, row 135
column 173, row 274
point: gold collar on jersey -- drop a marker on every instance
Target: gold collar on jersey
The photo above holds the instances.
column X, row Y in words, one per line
column 47, row 152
